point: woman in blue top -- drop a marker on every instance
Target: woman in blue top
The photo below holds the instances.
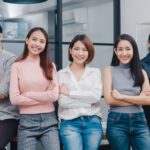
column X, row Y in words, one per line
column 124, row 83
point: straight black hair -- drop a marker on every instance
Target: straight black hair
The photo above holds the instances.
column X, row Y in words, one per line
column 135, row 65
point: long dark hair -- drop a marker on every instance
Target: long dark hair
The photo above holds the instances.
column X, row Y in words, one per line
column 45, row 61
column 135, row 65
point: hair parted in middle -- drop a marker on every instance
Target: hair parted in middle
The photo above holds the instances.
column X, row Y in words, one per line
column 45, row 61
column 135, row 65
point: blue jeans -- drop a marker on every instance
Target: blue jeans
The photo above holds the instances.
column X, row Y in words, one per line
column 82, row 133
column 38, row 127
column 128, row 130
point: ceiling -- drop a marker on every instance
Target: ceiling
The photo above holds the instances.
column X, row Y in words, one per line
column 9, row 11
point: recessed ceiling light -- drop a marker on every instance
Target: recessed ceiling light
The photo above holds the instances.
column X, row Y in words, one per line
column 24, row 1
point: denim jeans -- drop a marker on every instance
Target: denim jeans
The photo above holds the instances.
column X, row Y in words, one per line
column 38, row 127
column 82, row 133
column 125, row 131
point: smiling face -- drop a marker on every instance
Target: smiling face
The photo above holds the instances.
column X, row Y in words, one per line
column 124, row 52
column 79, row 53
column 36, row 43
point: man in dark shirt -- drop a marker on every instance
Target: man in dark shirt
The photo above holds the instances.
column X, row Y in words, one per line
column 146, row 66
column 8, row 113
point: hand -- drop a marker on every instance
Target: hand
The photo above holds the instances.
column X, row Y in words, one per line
column 145, row 93
column 64, row 90
column 117, row 95
column 51, row 86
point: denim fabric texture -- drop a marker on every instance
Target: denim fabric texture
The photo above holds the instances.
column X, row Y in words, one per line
column 82, row 133
column 125, row 131
column 38, row 127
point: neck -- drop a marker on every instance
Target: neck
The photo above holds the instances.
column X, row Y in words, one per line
column 33, row 56
column 124, row 65
column 74, row 66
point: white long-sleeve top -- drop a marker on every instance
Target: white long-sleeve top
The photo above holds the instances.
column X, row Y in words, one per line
column 84, row 96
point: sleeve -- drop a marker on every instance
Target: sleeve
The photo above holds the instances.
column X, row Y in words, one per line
column 4, row 85
column 16, row 97
column 67, row 102
column 49, row 95
column 93, row 95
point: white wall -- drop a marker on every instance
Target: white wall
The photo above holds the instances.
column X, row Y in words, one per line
column 135, row 20
column 99, row 28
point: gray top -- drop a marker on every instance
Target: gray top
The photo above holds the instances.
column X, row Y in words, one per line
column 123, row 82
column 7, row 111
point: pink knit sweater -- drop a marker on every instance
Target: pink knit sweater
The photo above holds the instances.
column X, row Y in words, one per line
column 29, row 87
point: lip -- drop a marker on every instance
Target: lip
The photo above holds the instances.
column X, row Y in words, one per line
column 35, row 49
column 125, row 58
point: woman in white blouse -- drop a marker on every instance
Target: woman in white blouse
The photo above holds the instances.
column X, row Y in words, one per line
column 79, row 101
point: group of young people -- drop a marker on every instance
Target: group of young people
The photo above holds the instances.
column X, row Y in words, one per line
column 35, row 85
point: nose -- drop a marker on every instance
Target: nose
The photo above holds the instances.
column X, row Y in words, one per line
column 81, row 52
column 37, row 43
column 124, row 52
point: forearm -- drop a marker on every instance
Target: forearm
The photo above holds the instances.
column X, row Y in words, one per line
column 138, row 100
column 86, row 96
column 67, row 102
column 42, row 96
column 114, row 102
column 22, row 100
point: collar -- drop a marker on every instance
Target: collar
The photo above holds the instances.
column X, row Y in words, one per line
column 87, row 71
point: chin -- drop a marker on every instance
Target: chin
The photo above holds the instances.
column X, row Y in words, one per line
column 125, row 62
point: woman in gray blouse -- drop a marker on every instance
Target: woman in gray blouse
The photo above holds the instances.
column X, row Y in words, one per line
column 124, row 82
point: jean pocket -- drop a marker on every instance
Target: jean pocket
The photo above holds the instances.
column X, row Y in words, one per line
column 113, row 117
column 95, row 119
column 141, row 119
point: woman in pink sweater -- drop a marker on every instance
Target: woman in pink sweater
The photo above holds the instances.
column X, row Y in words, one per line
column 34, row 88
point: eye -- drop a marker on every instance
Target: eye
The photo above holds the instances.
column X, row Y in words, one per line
column 128, row 48
column 76, row 48
column 120, row 49
column 84, row 49
column 34, row 39
column 42, row 41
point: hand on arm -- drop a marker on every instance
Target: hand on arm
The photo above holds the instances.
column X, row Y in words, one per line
column 143, row 98
column 116, row 95
column 145, row 93
column 92, row 92
column 63, row 90
column 108, row 93
column 16, row 96
column 50, row 94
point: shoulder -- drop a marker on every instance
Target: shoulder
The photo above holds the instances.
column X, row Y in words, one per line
column 144, row 72
column 63, row 70
column 8, row 53
column 54, row 66
column 93, row 70
column 107, row 69
column 8, row 56
column 16, row 65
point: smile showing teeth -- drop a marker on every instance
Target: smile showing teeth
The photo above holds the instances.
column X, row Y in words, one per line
column 35, row 49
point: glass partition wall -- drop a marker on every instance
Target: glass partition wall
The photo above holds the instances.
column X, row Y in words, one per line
column 18, row 19
column 100, row 20
column 63, row 19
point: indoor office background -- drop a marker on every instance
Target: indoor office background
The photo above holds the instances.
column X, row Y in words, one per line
column 101, row 20
column 63, row 19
